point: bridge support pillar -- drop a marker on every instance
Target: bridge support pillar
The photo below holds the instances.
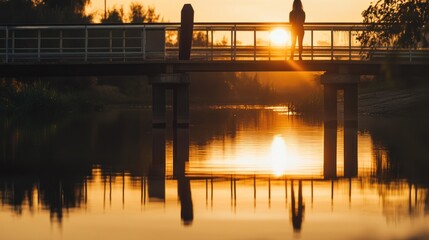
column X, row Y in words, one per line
column 158, row 106
column 349, row 84
column 181, row 104
column 179, row 83
column 350, row 130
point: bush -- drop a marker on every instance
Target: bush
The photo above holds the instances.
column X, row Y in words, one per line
column 34, row 97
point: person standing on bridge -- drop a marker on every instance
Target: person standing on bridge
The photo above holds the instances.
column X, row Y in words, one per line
column 297, row 19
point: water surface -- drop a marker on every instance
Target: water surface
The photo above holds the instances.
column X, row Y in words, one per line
column 238, row 172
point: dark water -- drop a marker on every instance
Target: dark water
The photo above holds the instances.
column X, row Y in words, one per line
column 239, row 172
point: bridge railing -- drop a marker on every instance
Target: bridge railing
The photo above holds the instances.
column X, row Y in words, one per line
column 82, row 43
column 212, row 42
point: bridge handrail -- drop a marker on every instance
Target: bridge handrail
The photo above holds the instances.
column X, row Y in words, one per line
column 125, row 45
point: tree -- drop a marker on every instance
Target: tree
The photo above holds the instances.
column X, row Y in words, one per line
column 43, row 11
column 138, row 14
column 114, row 16
column 397, row 23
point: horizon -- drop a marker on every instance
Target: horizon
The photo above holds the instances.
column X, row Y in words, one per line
column 250, row 11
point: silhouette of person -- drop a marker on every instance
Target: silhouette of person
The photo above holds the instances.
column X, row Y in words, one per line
column 297, row 211
column 297, row 19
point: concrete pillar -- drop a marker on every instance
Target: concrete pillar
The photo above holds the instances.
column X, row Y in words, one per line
column 181, row 105
column 158, row 106
column 350, row 102
column 330, row 131
column 350, row 130
column 156, row 176
column 330, row 103
column 330, row 150
column 350, row 150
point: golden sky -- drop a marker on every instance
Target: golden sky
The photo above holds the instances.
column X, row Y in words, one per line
column 248, row 10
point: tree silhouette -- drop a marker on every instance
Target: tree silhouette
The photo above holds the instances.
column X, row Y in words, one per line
column 114, row 16
column 399, row 23
column 43, row 11
column 138, row 14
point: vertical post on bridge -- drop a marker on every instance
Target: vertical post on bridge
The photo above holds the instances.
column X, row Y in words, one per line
column 186, row 32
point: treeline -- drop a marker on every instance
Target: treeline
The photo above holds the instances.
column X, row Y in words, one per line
column 70, row 11
column 56, row 94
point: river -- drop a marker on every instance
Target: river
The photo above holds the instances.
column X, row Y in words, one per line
column 238, row 172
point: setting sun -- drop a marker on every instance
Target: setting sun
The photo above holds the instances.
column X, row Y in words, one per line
column 279, row 37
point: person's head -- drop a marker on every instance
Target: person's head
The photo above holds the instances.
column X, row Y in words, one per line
column 297, row 5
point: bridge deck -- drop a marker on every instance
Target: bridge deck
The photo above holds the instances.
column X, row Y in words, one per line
column 157, row 67
column 72, row 50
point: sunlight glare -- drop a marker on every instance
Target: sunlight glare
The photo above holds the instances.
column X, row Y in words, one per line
column 278, row 155
column 279, row 37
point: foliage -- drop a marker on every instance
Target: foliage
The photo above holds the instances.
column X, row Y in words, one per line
column 43, row 11
column 36, row 97
column 138, row 14
column 114, row 16
column 399, row 23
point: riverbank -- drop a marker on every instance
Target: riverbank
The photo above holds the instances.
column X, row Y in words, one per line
column 413, row 101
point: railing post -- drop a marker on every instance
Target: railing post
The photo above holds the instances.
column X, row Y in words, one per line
column 269, row 50
column 7, row 44
column 86, row 43
column 110, row 45
column 13, row 46
column 38, row 45
column 235, row 42
column 332, row 44
column 61, row 41
column 207, row 43
column 254, row 44
column 411, row 58
column 211, row 28
column 123, row 44
column 312, row 44
column 350, row 44
column 232, row 44
column 143, row 42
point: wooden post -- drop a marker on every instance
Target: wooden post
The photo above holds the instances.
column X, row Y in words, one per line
column 186, row 32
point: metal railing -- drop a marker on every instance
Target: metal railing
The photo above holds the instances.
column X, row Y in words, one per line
column 212, row 42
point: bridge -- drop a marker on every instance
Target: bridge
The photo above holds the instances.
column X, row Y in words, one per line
column 168, row 51
column 135, row 49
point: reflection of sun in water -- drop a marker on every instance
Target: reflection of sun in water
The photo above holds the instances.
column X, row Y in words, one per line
column 279, row 37
column 278, row 155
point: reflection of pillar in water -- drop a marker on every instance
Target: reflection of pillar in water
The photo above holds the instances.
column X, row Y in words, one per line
column 330, row 150
column 297, row 212
column 185, row 196
column 156, row 178
column 180, row 157
column 350, row 131
column 350, row 149
column 330, row 131
column 180, row 151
